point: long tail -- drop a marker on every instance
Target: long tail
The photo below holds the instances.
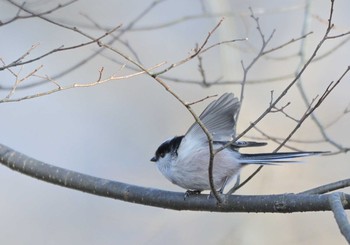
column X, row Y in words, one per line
column 278, row 157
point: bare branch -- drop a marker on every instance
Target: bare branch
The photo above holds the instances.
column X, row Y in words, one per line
column 50, row 11
column 197, row 51
column 312, row 109
column 273, row 104
column 264, row 43
column 309, row 112
column 205, row 98
column 220, row 82
column 90, row 57
column 283, row 203
column 300, row 86
column 251, row 176
column 340, row 35
column 332, row 50
column 202, row 70
column 337, row 202
column 275, row 139
column 290, row 85
column 293, row 40
column 76, row 85
column 18, row 61
column 328, row 187
column 281, row 110
column 18, row 81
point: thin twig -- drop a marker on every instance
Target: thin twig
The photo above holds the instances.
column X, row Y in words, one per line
column 246, row 69
column 276, row 140
column 329, row 89
column 327, row 188
column 125, row 43
column 339, row 35
column 332, row 50
column 291, row 84
column 50, row 11
column 235, row 188
column 300, row 84
column 281, row 110
column 293, row 40
column 60, row 49
column 300, row 122
column 78, row 85
column 18, row 81
column 200, row 100
column 202, row 70
column 90, row 57
column 196, row 51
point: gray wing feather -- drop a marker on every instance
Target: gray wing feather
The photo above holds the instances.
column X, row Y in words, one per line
column 218, row 118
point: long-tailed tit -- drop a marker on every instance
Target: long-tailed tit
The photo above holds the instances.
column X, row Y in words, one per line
column 184, row 160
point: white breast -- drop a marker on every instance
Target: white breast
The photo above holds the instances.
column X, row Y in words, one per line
column 190, row 168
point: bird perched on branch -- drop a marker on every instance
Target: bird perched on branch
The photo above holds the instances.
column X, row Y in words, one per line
column 184, row 160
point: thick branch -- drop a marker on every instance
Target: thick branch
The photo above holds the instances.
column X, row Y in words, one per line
column 284, row 203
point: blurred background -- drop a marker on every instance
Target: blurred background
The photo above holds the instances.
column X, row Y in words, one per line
column 112, row 130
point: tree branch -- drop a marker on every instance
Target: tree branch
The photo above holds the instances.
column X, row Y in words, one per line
column 60, row 88
column 283, row 203
column 337, row 202
column 328, row 187
column 19, row 61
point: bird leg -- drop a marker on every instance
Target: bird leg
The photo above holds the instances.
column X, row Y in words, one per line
column 191, row 193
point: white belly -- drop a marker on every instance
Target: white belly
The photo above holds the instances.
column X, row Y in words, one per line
column 191, row 171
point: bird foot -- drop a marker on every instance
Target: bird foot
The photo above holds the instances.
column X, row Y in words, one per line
column 191, row 193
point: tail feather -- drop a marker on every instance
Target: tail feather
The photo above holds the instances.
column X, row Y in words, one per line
column 278, row 157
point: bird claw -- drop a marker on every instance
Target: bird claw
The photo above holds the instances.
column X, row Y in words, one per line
column 191, row 193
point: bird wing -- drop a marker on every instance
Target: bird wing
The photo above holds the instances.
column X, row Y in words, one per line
column 218, row 118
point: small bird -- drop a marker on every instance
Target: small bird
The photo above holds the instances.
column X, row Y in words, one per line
column 184, row 160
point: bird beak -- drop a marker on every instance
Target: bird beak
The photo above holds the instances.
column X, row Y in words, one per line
column 153, row 159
